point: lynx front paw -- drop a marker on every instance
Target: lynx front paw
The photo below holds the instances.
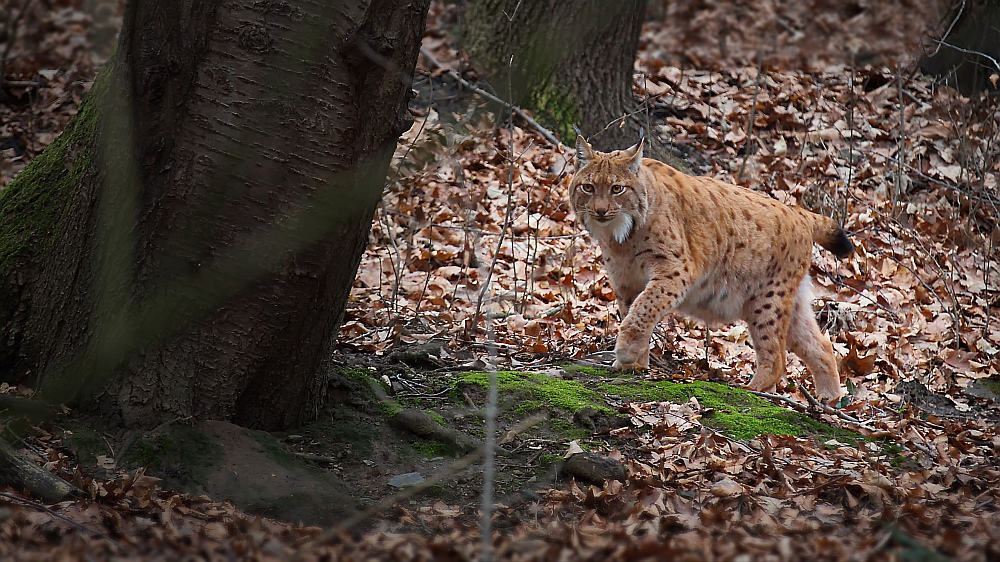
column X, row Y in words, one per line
column 631, row 357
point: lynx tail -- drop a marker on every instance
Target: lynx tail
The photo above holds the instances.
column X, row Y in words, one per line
column 827, row 233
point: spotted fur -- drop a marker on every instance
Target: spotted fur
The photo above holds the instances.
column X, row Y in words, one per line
column 710, row 250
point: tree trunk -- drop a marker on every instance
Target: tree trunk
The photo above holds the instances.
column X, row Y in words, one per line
column 969, row 53
column 572, row 62
column 187, row 246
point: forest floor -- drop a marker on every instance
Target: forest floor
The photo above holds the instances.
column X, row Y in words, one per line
column 907, row 470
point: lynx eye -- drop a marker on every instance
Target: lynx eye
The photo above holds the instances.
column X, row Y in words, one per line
column 586, row 188
column 617, row 189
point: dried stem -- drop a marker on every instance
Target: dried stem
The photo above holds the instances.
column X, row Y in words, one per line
column 13, row 22
column 748, row 145
column 397, row 264
column 508, row 220
column 901, row 147
column 546, row 134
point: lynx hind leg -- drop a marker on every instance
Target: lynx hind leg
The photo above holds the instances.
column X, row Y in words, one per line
column 807, row 341
column 624, row 304
column 768, row 320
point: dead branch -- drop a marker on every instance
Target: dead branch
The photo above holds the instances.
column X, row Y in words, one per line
column 546, row 134
column 21, row 473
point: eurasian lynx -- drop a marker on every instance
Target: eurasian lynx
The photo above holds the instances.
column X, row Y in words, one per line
column 710, row 250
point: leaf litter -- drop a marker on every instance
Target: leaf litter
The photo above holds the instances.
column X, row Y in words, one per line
column 913, row 313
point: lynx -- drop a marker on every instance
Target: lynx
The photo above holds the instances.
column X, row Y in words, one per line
column 710, row 250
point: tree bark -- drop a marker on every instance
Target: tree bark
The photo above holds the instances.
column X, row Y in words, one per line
column 571, row 62
column 186, row 248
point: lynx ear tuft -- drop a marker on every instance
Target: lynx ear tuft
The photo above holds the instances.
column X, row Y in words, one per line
column 634, row 154
column 584, row 152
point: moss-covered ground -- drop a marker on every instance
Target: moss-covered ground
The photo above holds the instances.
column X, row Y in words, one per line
column 568, row 395
column 734, row 411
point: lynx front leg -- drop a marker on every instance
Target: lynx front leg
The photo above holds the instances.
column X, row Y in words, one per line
column 768, row 321
column 659, row 296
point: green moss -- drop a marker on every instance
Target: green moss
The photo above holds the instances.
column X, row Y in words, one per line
column 33, row 204
column 362, row 380
column 431, row 448
column 566, row 395
column 274, row 449
column 436, row 417
column 347, row 427
column 87, row 444
column 558, row 110
column 528, row 406
column 568, row 429
column 734, row 411
column 184, row 451
column 547, row 459
column 577, row 369
column 992, row 384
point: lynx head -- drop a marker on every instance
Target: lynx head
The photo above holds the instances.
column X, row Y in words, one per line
column 606, row 193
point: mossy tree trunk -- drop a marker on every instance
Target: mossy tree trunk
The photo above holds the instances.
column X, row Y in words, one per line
column 969, row 51
column 572, row 62
column 187, row 246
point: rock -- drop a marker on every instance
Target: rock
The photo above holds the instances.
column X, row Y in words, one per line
column 598, row 422
column 407, row 479
column 422, row 355
column 594, row 468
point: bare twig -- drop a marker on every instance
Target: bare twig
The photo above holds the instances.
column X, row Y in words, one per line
column 465, row 228
column 397, row 264
column 841, row 212
column 508, row 219
column 996, row 64
column 748, row 145
column 546, row 134
column 948, row 31
column 833, row 411
column 901, row 147
column 783, row 399
column 40, row 507
column 427, row 278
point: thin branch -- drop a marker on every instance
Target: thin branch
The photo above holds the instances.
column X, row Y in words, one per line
column 397, row 264
column 545, row 133
column 948, row 32
column 833, row 411
column 794, row 404
column 996, row 64
column 747, row 146
column 40, row 507
column 900, row 150
column 13, row 22
column 490, row 233
column 508, row 220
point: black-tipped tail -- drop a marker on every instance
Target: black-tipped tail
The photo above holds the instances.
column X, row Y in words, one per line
column 840, row 245
column 827, row 233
